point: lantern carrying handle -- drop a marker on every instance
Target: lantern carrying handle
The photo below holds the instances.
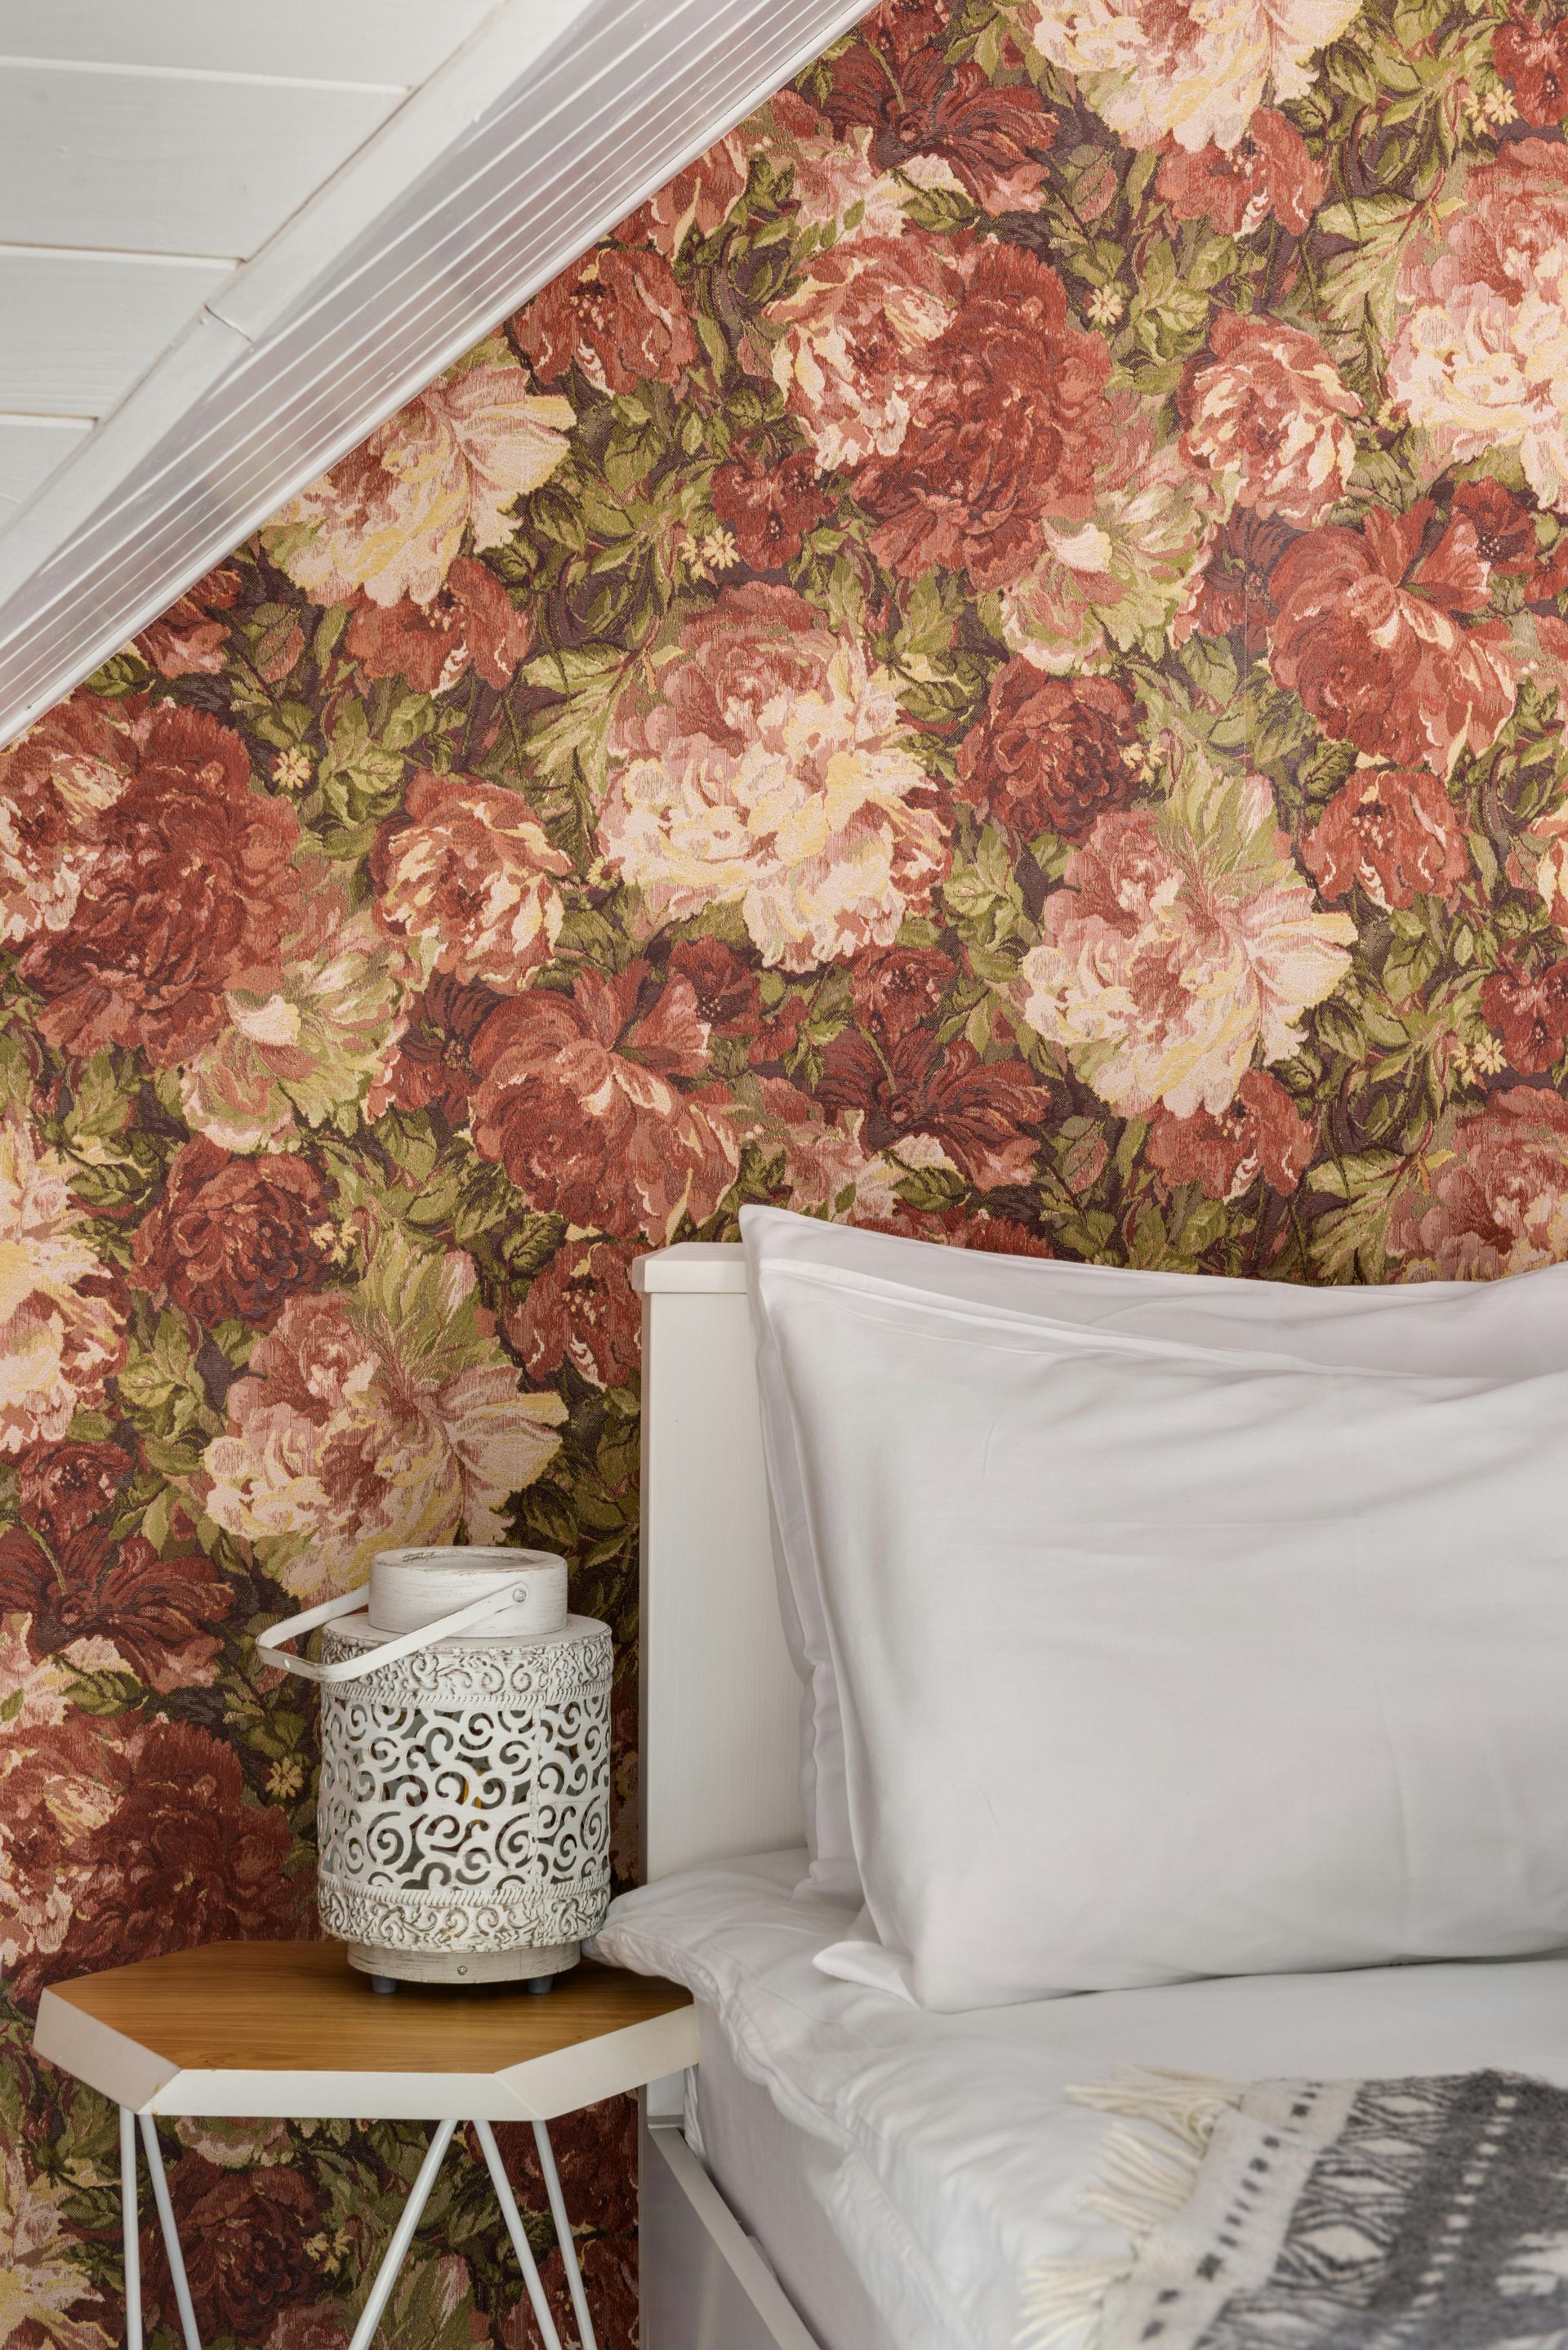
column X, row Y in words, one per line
column 407, row 1644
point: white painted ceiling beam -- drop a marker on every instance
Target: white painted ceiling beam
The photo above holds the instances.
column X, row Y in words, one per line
column 556, row 120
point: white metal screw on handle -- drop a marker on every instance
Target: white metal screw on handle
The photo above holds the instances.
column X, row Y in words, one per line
column 407, row 1644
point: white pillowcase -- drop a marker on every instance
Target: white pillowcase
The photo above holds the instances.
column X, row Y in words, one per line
column 1157, row 1659
column 1490, row 1329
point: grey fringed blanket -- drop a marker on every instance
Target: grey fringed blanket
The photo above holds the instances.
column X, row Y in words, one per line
column 1324, row 2215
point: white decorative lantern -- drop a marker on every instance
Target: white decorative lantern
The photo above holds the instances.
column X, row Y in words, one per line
column 465, row 1804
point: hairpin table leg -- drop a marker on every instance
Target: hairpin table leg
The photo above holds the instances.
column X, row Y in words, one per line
column 520, row 2244
column 402, row 2237
column 170, row 2234
column 129, row 2221
column 564, row 2235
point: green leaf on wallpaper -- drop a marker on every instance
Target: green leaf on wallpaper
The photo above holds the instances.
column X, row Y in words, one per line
column 361, row 779
column 573, row 733
column 16, row 1073
column 982, row 894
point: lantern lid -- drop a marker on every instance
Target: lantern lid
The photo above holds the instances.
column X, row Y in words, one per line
column 410, row 1588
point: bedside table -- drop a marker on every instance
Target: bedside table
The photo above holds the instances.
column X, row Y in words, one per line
column 290, row 2028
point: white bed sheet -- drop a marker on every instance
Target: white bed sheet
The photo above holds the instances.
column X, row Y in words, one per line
column 960, row 2162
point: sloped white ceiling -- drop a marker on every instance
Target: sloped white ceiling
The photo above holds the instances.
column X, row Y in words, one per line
column 170, row 390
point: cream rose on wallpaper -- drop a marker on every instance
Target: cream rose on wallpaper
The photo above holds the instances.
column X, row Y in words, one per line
column 773, row 771
column 42, row 2288
column 1192, row 70
column 373, row 1417
column 59, row 1333
column 391, row 518
column 1182, row 944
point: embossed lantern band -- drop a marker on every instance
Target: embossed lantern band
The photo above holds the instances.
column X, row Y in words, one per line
column 465, row 1804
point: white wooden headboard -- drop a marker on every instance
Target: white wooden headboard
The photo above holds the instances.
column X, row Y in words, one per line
column 719, row 1769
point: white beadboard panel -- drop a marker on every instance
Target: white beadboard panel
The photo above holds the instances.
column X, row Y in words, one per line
column 81, row 326
column 30, row 448
column 151, row 163
column 334, row 40
column 630, row 95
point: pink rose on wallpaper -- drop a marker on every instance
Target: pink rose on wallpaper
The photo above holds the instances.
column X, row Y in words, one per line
column 1182, row 944
column 376, row 1417
column 1010, row 427
column 1260, row 1133
column 582, row 1310
column 191, row 639
column 701, row 198
column 1497, row 1201
column 189, row 892
column 774, row 771
column 54, row 1792
column 1271, row 170
column 584, row 1099
column 60, row 1333
column 1478, row 360
column 617, row 316
column 853, row 339
column 57, row 782
column 466, row 868
column 1269, row 407
column 46, row 2295
column 391, row 518
column 1394, row 832
column 1365, row 631
column 829, row 174
column 473, row 624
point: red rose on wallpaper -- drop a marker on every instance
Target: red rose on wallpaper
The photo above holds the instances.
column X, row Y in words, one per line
column 190, row 892
column 471, row 623
column 433, row 1065
column 156, row 1613
column 724, row 984
column 1010, row 424
column 235, row 1238
column 916, row 101
column 1498, row 1203
column 246, row 2237
column 582, row 1310
column 1232, row 589
column 1270, row 172
column 1365, row 631
column 1051, row 754
column 465, row 867
column 582, row 1099
column 617, row 315
column 63, row 1487
column 57, row 782
column 1529, row 1010
column 769, row 504
column 190, row 640
column 183, row 1857
column 1270, row 405
column 1394, row 831
column 1225, row 1151
column 1532, row 60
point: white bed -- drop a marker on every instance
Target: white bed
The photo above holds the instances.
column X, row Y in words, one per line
column 900, row 2171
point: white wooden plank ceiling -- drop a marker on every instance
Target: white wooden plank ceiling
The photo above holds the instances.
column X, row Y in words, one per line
column 233, row 239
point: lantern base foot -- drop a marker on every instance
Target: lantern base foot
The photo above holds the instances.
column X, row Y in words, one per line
column 463, row 1970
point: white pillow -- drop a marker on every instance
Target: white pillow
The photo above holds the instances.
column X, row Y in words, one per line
column 1495, row 1329
column 1157, row 1660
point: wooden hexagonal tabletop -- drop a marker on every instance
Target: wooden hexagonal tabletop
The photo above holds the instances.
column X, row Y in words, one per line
column 291, row 2028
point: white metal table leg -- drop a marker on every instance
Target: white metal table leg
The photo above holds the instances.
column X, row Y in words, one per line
column 520, row 2244
column 170, row 2234
column 128, row 2218
column 402, row 2237
column 564, row 2237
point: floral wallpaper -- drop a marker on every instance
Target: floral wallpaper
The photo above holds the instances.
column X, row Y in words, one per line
column 992, row 662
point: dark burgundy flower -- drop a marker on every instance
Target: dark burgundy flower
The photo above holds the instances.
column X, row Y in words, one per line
column 433, row 1067
column 190, row 892
column 581, row 1309
column 1271, row 170
column 769, row 504
column 1051, row 754
column 1013, row 420
column 899, row 988
column 618, row 313
column 63, row 1487
column 157, row 1611
column 916, row 101
column 244, row 2235
column 1233, row 591
column 1504, row 526
column 909, row 1083
column 472, row 623
column 1394, row 831
column 1529, row 1010
column 1262, row 1133
column 190, row 640
column 724, row 984
column 235, row 1238
column 1532, row 60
